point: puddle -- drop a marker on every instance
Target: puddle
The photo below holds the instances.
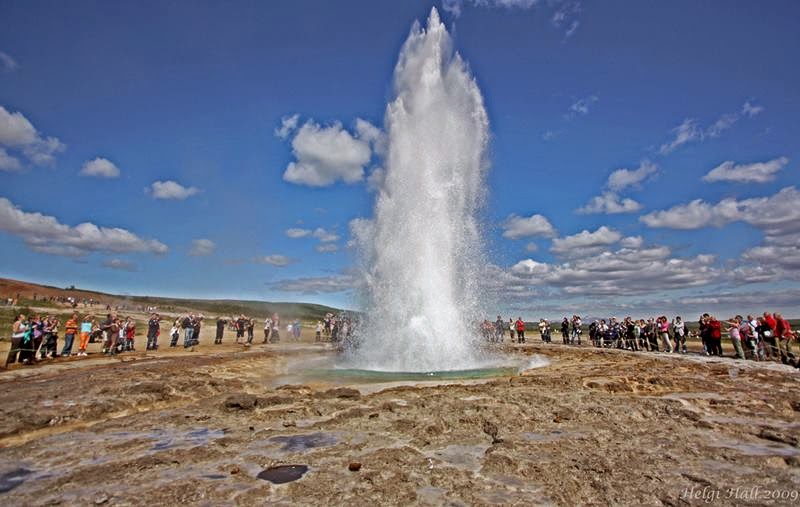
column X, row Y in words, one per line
column 215, row 476
column 282, row 474
column 13, row 478
column 299, row 443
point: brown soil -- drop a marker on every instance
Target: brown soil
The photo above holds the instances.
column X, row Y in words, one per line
column 593, row 427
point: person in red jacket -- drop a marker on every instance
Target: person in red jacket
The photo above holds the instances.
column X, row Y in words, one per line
column 715, row 337
column 520, row 326
column 784, row 336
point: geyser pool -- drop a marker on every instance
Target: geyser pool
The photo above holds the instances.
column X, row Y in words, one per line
column 422, row 251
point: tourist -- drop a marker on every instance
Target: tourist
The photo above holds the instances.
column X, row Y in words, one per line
column 174, row 332
column 519, row 325
column 318, row 333
column 267, row 329
column 734, row 332
column 565, row 331
column 275, row 336
column 130, row 334
column 296, row 328
column 241, row 326
column 153, row 330
column 86, row 332
column 511, row 330
column 220, row 330
column 70, row 330
column 20, row 340
column 715, row 337
column 198, row 321
column 251, row 324
column 679, row 332
column 784, row 336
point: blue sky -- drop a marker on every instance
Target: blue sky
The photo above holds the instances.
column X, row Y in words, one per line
column 163, row 119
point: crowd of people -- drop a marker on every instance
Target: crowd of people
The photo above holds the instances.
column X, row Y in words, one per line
column 768, row 337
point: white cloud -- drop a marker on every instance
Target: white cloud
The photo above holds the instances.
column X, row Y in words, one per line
column 777, row 215
column 725, row 122
column 45, row 234
column 758, row 172
column 373, row 135
column 627, row 271
column 325, row 155
column 376, row 179
column 288, row 125
column 564, row 17
column 690, row 130
column 202, row 247
column 632, row 242
column 296, row 232
column 171, row 190
column 8, row 63
column 623, row 178
column 101, row 168
column 750, row 110
column 549, row 135
column 274, row 260
column 120, row 264
column 686, row 132
column 17, row 132
column 580, row 107
column 531, row 247
column 8, row 163
column 327, row 248
column 603, row 236
column 516, row 227
column 610, row 203
column 325, row 236
column 317, row 285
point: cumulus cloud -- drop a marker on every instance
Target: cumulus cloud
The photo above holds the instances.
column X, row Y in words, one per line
column 202, row 247
column 623, row 178
column 549, row 135
column 101, row 168
column 120, row 264
column 777, row 215
column 632, row 242
column 171, row 190
column 18, row 133
column 45, row 234
column 274, row 260
column 8, row 163
column 603, row 236
column 7, row 62
column 610, row 203
column 327, row 154
column 531, row 247
column 516, row 227
column 626, row 271
column 325, row 236
column 565, row 12
column 758, row 172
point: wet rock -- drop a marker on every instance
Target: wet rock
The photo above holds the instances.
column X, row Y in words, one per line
column 282, row 474
column 354, row 466
column 339, row 392
column 792, row 461
column 240, row 402
column 101, row 499
column 234, row 469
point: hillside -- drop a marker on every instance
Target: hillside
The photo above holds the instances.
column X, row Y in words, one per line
column 32, row 294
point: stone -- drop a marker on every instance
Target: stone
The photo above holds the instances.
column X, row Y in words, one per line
column 354, row 466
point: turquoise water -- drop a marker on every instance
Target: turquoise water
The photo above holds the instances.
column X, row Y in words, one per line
column 366, row 376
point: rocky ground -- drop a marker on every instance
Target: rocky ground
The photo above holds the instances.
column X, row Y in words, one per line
column 592, row 427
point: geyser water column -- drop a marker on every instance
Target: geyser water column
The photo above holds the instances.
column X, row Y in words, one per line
column 422, row 252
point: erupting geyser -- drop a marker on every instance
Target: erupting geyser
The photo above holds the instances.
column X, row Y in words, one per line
column 422, row 252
